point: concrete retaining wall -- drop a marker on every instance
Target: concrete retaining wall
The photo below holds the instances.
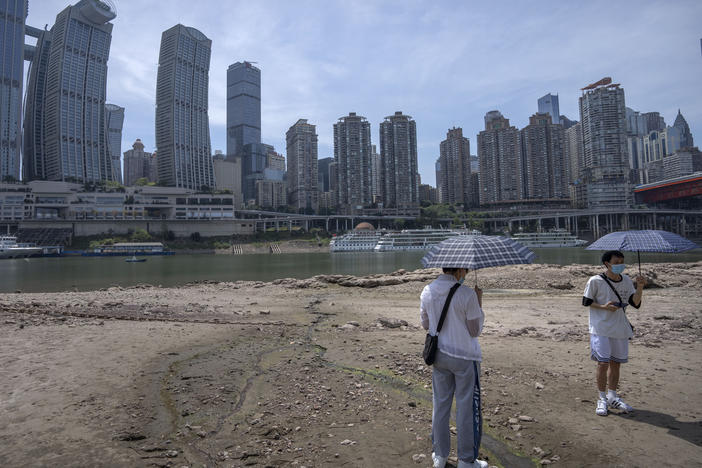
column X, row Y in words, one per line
column 180, row 228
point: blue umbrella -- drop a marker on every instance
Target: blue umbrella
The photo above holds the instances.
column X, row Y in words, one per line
column 476, row 252
column 643, row 241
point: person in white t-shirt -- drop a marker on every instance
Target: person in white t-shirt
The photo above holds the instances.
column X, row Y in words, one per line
column 608, row 295
column 456, row 370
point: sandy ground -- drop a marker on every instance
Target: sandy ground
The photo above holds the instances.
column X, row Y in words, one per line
column 327, row 372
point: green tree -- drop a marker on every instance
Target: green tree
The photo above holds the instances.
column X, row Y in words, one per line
column 141, row 235
column 142, row 181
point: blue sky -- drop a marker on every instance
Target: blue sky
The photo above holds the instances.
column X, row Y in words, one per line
column 445, row 63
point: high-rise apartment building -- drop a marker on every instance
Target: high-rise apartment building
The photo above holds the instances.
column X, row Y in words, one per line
column 549, row 105
column 13, row 14
column 544, row 160
column 66, row 117
column 114, row 120
column 574, row 151
column 499, row 152
column 275, row 161
column 301, row 144
column 427, row 194
column 182, row 123
column 453, row 174
column 605, row 173
column 243, row 106
column 352, row 158
column 138, row 164
column 398, row 151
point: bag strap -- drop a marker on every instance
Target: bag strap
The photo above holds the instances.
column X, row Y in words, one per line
column 446, row 306
column 604, row 277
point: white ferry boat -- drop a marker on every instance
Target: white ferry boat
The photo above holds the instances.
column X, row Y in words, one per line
column 553, row 238
column 9, row 248
column 355, row 241
column 416, row 239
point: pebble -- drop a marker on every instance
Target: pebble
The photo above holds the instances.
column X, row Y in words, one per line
column 418, row 457
column 525, row 418
column 348, row 442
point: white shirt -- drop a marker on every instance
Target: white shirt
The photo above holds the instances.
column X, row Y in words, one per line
column 454, row 338
column 603, row 322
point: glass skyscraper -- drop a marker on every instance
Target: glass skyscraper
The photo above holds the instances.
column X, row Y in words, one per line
column 34, row 167
column 243, row 107
column 13, row 14
column 182, row 124
column 66, row 128
column 114, row 122
column 549, row 105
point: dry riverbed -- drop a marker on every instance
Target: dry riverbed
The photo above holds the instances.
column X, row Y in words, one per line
column 327, row 372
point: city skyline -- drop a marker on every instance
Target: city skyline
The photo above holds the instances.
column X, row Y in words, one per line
column 441, row 75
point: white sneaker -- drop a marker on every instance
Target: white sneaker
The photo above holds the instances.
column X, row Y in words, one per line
column 475, row 464
column 439, row 462
column 601, row 407
column 619, row 404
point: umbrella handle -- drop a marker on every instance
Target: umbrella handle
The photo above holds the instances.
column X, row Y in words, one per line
column 475, row 272
column 638, row 254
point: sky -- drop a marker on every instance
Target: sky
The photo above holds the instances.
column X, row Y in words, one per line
column 445, row 63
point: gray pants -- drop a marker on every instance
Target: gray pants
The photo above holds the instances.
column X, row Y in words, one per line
column 459, row 377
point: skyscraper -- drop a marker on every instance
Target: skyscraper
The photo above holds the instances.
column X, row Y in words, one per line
column 680, row 123
column 74, row 145
column 323, row 171
column 574, row 151
column 114, row 121
column 605, row 171
column 543, row 153
column 398, row 151
column 453, row 174
column 301, row 140
column 34, row 157
column 243, row 106
column 138, row 164
column 549, row 105
column 13, row 14
column 182, row 123
column 352, row 156
column 499, row 152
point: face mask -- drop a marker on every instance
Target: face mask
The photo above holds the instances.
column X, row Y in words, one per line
column 618, row 269
column 460, row 281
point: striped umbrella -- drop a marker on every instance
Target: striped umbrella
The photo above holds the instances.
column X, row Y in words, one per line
column 643, row 241
column 476, row 252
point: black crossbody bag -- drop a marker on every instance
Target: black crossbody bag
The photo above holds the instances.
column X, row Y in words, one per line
column 431, row 343
column 604, row 277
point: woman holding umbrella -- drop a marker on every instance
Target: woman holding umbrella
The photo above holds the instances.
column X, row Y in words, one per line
column 457, row 365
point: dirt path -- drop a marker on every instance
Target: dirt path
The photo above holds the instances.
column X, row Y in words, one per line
column 313, row 374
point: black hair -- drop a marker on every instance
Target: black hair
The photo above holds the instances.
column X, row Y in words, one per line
column 450, row 271
column 607, row 256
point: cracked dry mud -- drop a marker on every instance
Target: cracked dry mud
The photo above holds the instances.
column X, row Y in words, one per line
column 327, row 372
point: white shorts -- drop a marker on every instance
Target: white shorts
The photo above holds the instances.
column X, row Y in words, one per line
column 605, row 349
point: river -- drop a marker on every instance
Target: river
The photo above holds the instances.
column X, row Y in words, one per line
column 90, row 273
